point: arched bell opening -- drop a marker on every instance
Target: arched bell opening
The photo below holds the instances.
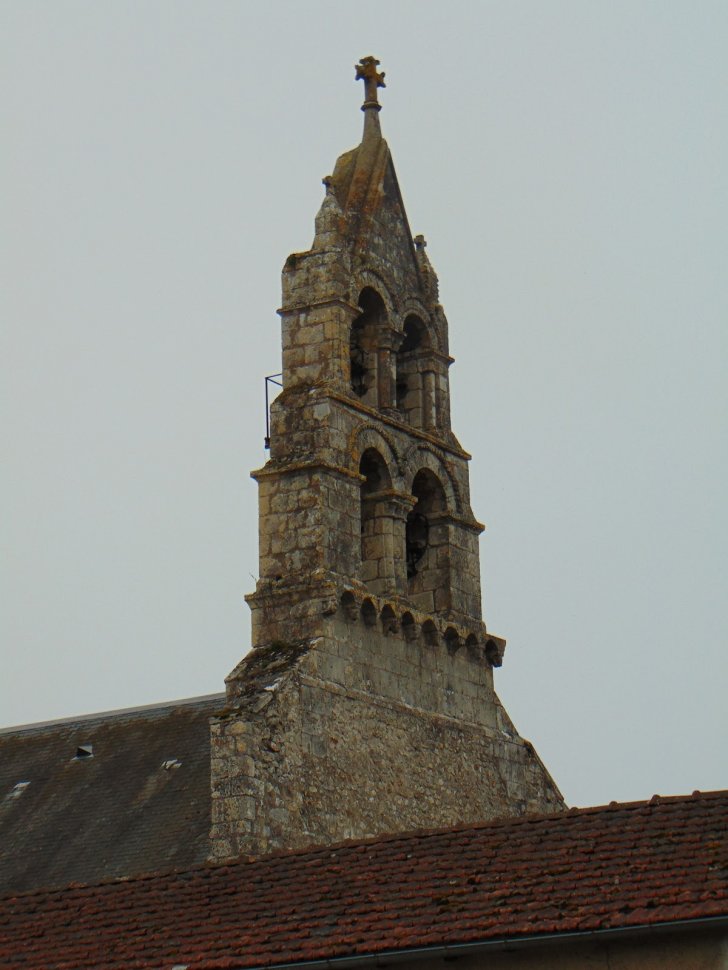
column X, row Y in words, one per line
column 410, row 377
column 377, row 565
column 417, row 537
column 364, row 343
column 426, row 543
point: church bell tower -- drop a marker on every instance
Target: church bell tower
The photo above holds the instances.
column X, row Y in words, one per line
column 365, row 498
column 366, row 704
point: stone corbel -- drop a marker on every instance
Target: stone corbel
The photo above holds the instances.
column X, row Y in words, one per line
column 495, row 647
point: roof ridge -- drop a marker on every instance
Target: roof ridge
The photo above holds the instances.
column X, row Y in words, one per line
column 38, row 726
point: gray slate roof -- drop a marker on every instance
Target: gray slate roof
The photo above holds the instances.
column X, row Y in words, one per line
column 120, row 812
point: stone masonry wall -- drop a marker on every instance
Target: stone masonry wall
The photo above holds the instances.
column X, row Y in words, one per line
column 362, row 732
column 313, row 510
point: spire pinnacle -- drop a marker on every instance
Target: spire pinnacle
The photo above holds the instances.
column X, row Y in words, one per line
column 366, row 70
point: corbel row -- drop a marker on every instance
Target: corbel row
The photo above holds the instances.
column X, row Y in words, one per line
column 397, row 620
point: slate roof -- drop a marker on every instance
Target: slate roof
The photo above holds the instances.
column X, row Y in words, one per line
column 117, row 813
column 619, row 866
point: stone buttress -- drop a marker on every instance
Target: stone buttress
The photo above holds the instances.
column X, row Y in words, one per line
column 366, row 704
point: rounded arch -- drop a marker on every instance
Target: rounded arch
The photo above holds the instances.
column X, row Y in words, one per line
column 416, row 336
column 374, row 469
column 370, row 437
column 389, row 621
column 420, row 457
column 427, row 533
column 409, row 626
column 349, row 605
column 472, row 645
column 370, row 301
column 411, row 306
column 420, row 536
column 428, row 491
column 413, row 394
column 429, row 633
column 368, row 279
column 364, row 339
column 452, row 639
column 494, row 652
column 368, row 613
column 377, row 559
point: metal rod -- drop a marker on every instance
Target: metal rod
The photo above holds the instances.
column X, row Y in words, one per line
column 270, row 379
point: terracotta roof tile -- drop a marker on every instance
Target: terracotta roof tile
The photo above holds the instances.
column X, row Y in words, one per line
column 613, row 867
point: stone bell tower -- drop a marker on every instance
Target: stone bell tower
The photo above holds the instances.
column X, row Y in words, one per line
column 367, row 703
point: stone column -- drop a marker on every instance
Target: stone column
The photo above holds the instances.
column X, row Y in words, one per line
column 383, row 542
column 443, row 392
column 429, row 400
column 398, row 506
column 385, row 372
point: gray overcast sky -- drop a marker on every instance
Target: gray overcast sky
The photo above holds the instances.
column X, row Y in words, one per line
column 567, row 162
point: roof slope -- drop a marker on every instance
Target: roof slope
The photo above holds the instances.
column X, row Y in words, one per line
column 614, row 867
column 118, row 812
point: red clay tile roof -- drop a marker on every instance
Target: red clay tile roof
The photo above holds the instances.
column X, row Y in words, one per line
column 619, row 866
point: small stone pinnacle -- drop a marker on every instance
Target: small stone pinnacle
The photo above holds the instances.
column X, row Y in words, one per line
column 420, row 242
column 366, row 70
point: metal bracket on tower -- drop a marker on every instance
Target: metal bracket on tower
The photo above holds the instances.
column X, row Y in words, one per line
column 270, row 379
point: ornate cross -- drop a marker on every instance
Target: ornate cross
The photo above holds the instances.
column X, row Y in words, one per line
column 366, row 70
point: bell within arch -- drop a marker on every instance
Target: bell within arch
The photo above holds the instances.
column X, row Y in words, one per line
column 416, row 536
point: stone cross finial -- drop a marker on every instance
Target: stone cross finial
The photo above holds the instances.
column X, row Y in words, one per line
column 366, row 70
